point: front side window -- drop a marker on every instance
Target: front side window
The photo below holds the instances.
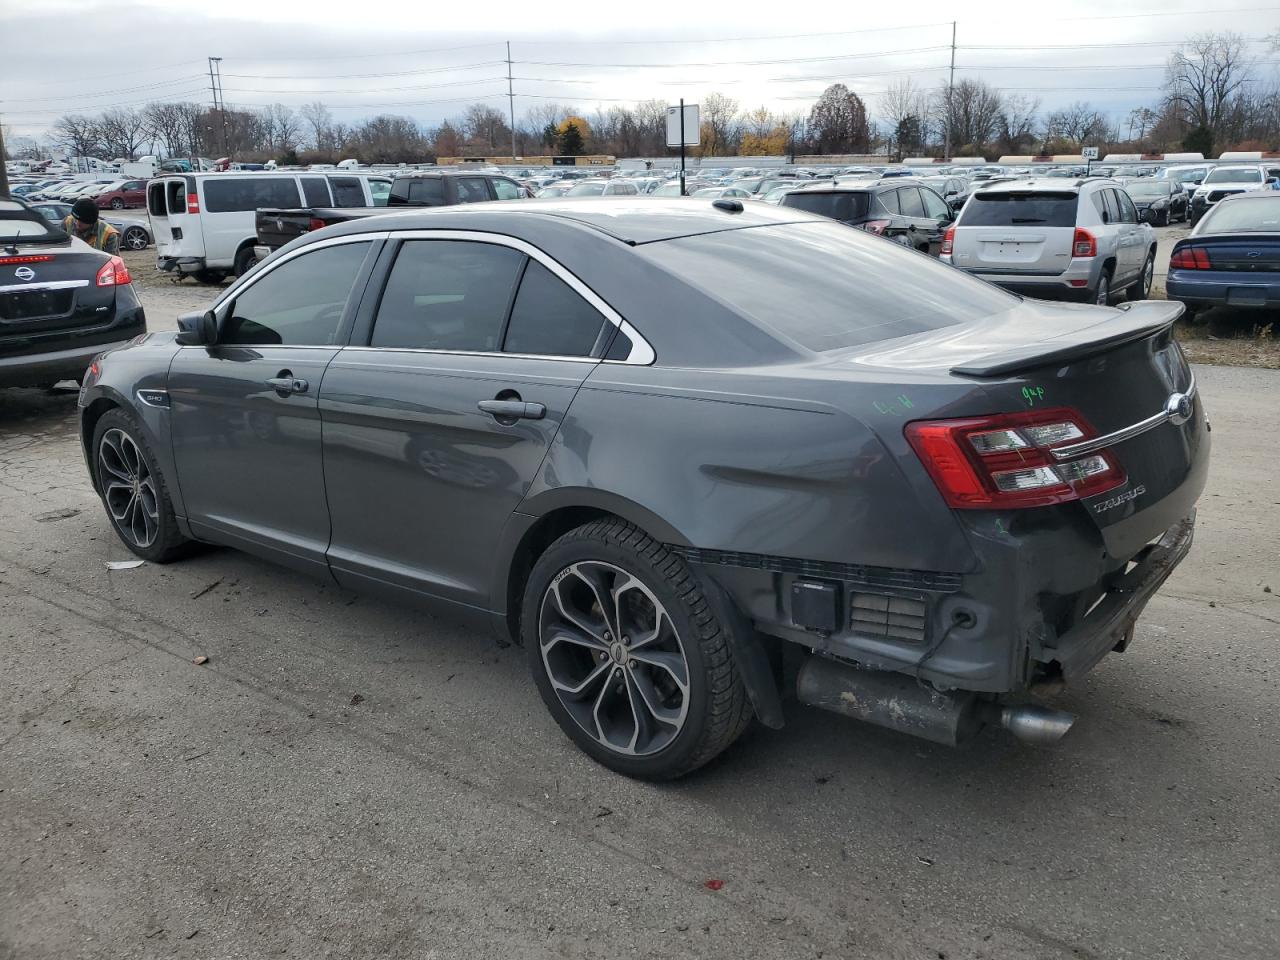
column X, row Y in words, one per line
column 1128, row 212
column 447, row 295
column 935, row 208
column 550, row 319
column 300, row 302
column 506, row 190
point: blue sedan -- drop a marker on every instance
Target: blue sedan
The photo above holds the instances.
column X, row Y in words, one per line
column 1232, row 258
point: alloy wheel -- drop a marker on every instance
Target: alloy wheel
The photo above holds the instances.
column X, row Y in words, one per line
column 614, row 658
column 128, row 488
column 1148, row 276
column 135, row 238
column 1104, row 292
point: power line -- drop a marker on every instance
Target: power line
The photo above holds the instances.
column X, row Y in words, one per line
column 364, row 76
column 429, row 86
column 369, row 56
column 101, row 93
column 734, row 63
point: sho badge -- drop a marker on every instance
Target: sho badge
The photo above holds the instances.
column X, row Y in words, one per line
column 1119, row 499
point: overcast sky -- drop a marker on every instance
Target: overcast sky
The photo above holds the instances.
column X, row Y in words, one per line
column 429, row 60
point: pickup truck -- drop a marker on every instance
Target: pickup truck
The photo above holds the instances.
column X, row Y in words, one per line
column 276, row 227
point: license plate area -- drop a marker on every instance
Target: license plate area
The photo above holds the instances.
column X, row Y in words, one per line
column 1246, row 296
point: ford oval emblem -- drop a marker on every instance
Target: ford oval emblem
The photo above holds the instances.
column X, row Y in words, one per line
column 25, row 273
column 1179, row 408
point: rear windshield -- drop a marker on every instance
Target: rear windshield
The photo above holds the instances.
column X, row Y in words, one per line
column 1002, row 209
column 826, row 286
column 1243, row 216
column 837, row 206
column 417, row 191
column 27, row 227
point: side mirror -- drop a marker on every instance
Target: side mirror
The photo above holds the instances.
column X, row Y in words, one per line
column 198, row 329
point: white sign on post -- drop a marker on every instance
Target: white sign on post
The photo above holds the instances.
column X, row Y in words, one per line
column 1089, row 153
column 691, row 125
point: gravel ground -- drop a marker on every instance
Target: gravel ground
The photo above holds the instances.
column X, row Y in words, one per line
column 349, row 778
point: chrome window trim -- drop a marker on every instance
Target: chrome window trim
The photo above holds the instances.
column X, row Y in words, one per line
column 48, row 285
column 641, row 354
column 266, row 268
column 1124, row 433
column 476, row 353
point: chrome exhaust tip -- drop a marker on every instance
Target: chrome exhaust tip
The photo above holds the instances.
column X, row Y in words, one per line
column 1036, row 724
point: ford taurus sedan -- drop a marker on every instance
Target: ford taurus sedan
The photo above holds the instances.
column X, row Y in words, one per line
column 684, row 452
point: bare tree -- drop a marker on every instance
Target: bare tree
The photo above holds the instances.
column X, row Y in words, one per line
column 487, row 128
column 79, row 135
column 123, row 132
column 1018, row 120
column 719, row 125
column 1077, row 124
column 905, row 108
column 1203, row 76
column 972, row 113
column 320, row 123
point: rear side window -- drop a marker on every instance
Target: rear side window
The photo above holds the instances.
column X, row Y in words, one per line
column 837, row 206
column 825, row 286
column 427, row 192
column 233, row 194
column 550, row 319
column 447, row 295
column 1042, row 209
column 315, row 192
column 506, row 190
column 155, row 200
column 299, row 303
column 379, row 190
column 472, row 190
column 888, row 201
column 909, row 202
column 347, row 192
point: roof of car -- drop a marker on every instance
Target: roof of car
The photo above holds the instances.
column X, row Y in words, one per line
column 633, row 220
column 1032, row 184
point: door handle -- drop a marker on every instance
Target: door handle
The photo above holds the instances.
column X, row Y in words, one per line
column 512, row 409
column 287, row 383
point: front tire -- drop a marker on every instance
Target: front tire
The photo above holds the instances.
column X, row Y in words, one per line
column 135, row 238
column 628, row 654
column 1164, row 218
column 117, row 204
column 246, row 260
column 133, row 490
column 1102, row 295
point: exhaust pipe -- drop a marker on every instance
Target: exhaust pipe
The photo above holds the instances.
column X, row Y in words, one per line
column 897, row 702
column 1036, row 724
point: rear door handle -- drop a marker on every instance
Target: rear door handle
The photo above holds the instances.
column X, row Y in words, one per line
column 512, row 409
column 287, row 384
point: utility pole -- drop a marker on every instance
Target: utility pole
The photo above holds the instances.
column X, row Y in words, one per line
column 511, row 101
column 682, row 190
column 215, row 64
column 4, row 169
column 951, row 82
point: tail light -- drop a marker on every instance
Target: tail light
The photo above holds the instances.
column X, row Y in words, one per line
column 114, row 273
column 878, row 227
column 948, row 241
column 1083, row 244
column 1190, row 258
column 315, row 223
column 1007, row 461
column 193, row 203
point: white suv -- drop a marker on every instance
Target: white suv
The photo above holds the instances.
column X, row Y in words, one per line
column 1054, row 238
column 1226, row 181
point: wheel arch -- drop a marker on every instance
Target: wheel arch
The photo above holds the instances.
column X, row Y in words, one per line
column 89, row 418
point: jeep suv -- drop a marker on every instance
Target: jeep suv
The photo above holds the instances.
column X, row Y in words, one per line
column 1054, row 239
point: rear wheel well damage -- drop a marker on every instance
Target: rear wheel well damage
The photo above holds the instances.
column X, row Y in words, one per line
column 751, row 649
column 88, row 423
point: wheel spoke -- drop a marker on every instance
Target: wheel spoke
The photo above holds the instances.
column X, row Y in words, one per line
column 577, row 690
column 639, row 713
column 121, row 514
column 601, row 592
column 589, row 631
column 653, row 702
column 112, row 459
column 671, row 663
column 662, row 628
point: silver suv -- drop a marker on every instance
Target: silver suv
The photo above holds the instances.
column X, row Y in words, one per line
column 1056, row 239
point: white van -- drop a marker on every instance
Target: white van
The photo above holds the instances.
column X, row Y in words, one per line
column 204, row 223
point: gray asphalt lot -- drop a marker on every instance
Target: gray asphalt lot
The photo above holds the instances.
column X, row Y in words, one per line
column 347, row 778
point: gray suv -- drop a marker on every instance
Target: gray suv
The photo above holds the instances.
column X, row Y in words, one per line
column 1073, row 240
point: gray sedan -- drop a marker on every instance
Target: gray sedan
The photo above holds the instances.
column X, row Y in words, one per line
column 686, row 452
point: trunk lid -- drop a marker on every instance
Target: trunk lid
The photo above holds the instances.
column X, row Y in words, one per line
column 1118, row 368
column 1250, row 253
column 48, row 289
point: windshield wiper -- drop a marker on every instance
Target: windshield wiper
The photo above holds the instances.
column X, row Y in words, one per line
column 1028, row 219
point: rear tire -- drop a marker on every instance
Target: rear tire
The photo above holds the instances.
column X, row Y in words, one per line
column 663, row 698
column 1141, row 288
column 132, row 489
column 117, row 204
column 246, row 259
column 1102, row 295
column 135, row 238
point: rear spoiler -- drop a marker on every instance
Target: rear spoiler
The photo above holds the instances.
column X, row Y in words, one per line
column 1135, row 321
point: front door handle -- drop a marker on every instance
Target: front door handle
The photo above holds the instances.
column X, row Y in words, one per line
column 287, row 383
column 512, row 409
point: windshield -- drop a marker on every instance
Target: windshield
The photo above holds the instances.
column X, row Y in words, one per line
column 1260, row 215
column 1234, row 176
column 1042, row 209
column 1152, row 189
column 587, row 190
column 825, row 286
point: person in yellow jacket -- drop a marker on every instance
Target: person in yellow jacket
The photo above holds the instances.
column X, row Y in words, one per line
column 86, row 223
